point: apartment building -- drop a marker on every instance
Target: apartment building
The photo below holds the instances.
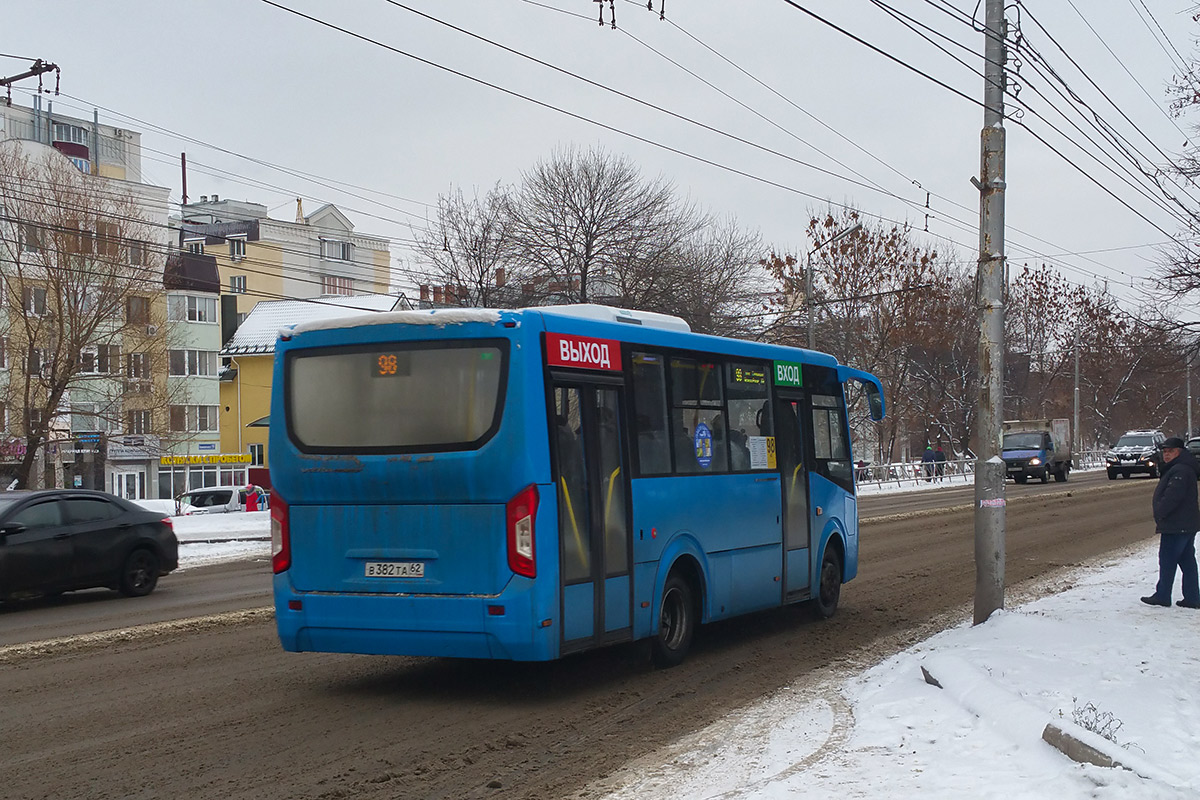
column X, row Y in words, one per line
column 83, row 335
column 260, row 258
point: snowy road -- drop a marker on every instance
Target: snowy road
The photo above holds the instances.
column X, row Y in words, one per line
column 223, row 713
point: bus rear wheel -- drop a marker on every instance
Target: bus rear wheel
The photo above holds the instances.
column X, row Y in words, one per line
column 676, row 623
column 829, row 591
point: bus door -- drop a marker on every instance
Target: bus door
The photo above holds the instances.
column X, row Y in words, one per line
column 587, row 431
column 793, row 474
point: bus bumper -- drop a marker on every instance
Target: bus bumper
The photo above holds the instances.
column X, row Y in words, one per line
column 498, row 626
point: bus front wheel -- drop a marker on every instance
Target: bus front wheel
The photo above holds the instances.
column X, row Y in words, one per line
column 830, row 589
column 676, row 623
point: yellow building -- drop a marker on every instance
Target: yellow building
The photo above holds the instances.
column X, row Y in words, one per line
column 246, row 382
column 259, row 258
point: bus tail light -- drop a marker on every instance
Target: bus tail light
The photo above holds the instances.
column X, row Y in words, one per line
column 281, row 536
column 519, row 514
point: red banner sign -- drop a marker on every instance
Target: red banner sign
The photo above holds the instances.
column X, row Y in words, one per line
column 582, row 352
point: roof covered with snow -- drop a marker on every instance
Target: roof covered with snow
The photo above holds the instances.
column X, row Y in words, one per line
column 257, row 334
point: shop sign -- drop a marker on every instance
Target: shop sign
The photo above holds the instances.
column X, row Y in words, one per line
column 219, row 458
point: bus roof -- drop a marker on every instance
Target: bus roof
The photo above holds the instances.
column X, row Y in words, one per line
column 599, row 321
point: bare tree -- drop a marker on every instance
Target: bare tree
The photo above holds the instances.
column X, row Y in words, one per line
column 879, row 298
column 83, row 312
column 469, row 247
column 582, row 218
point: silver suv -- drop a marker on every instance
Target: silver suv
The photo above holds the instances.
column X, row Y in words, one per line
column 1136, row 451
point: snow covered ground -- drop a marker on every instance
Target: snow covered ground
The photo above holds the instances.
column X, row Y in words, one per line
column 1086, row 655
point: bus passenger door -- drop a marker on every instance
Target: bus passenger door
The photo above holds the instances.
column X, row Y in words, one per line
column 593, row 490
column 793, row 474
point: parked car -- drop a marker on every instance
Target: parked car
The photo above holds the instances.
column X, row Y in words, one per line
column 1136, row 451
column 1193, row 446
column 60, row 540
column 220, row 500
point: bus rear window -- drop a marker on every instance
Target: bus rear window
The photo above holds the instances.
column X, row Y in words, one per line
column 428, row 396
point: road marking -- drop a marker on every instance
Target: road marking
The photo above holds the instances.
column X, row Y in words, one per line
column 84, row 641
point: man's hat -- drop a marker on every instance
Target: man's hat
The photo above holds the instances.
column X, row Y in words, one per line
column 1173, row 441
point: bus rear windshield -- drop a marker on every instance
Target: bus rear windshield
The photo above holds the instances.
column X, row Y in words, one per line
column 407, row 397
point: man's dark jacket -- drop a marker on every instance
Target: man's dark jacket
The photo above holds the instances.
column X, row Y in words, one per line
column 1175, row 507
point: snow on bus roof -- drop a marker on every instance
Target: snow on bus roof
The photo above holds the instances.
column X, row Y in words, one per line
column 437, row 316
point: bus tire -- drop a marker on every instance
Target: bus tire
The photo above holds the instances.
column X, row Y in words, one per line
column 829, row 586
column 676, row 623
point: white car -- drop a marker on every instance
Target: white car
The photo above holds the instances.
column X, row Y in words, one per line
column 213, row 500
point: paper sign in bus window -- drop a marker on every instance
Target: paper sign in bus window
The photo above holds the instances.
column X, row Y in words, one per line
column 762, row 452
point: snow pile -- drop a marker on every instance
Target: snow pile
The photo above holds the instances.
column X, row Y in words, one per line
column 1090, row 658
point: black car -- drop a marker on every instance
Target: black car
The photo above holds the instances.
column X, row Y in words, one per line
column 60, row 540
column 1193, row 446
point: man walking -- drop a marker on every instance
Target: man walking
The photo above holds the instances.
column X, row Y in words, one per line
column 1176, row 518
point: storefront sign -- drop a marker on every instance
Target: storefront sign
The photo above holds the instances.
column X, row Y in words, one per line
column 219, row 458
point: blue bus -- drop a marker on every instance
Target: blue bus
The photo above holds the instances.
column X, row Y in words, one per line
column 530, row 483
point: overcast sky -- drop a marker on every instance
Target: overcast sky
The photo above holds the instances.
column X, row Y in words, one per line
column 255, row 80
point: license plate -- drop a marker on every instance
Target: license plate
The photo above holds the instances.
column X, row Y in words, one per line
column 395, row 569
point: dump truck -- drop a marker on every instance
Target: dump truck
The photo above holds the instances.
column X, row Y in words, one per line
column 1037, row 448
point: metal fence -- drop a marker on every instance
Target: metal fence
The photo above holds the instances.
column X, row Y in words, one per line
column 959, row 470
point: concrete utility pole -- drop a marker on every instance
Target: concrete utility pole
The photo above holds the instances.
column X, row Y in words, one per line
column 989, row 467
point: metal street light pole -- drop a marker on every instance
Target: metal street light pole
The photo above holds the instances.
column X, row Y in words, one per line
column 808, row 298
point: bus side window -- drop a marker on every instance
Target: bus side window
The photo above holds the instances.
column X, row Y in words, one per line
column 698, row 417
column 650, row 414
column 749, row 411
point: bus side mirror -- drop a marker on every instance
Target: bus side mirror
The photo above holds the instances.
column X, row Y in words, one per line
column 874, row 401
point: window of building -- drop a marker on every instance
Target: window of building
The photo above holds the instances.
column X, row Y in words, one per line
column 108, row 358
column 85, row 417
column 65, row 132
column 4, row 417
column 138, row 252
column 237, row 284
column 34, row 298
column 237, row 247
column 137, row 366
column 202, row 309
column 137, row 310
column 87, row 360
column 34, row 416
column 336, row 284
column 334, row 250
column 36, row 362
column 137, row 422
column 193, row 362
column 31, row 238
column 186, row 308
column 195, row 246
column 3, row 352
column 257, row 455
column 108, row 239
column 193, row 419
column 79, row 239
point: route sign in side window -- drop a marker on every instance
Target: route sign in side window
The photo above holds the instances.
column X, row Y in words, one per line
column 751, row 436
